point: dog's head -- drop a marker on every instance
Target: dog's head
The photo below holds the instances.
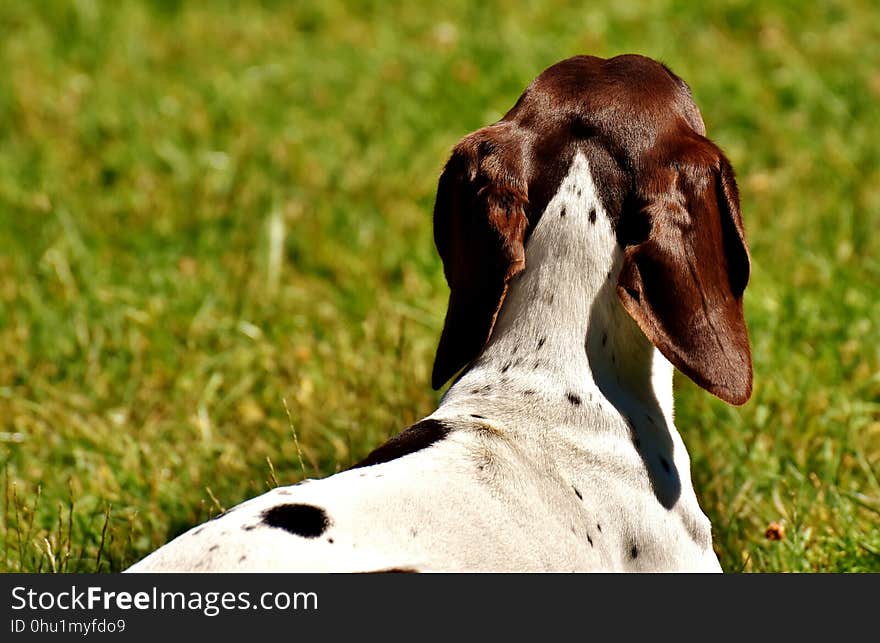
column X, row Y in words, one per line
column 670, row 192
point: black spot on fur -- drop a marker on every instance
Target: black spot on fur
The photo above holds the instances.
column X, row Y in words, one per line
column 487, row 388
column 528, row 391
column 479, row 417
column 417, row 437
column 198, row 531
column 249, row 527
column 505, row 367
column 598, row 526
column 562, row 212
column 537, row 364
column 665, row 464
column 577, row 493
column 213, row 547
column 330, row 540
column 592, row 215
column 242, row 559
column 307, row 521
column 634, row 552
column 513, row 350
column 579, row 191
column 475, row 391
column 574, row 399
column 589, row 540
column 541, row 342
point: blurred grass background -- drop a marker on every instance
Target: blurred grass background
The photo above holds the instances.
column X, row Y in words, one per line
column 217, row 271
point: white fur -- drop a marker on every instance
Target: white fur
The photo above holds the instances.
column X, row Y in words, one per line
column 539, row 482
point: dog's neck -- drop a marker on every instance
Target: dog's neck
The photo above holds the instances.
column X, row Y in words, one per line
column 562, row 339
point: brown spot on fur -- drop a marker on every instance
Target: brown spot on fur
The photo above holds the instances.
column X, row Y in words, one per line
column 417, row 437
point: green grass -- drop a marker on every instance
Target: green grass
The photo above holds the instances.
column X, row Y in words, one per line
column 213, row 213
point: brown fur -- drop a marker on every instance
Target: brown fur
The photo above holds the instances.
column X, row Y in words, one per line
column 670, row 192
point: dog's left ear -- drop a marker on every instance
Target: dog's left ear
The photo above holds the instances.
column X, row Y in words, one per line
column 686, row 265
column 479, row 229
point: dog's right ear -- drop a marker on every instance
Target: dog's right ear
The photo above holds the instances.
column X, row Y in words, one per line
column 479, row 228
column 684, row 273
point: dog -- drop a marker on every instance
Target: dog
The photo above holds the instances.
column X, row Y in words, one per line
column 592, row 240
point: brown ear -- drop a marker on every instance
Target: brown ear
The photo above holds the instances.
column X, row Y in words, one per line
column 683, row 280
column 479, row 228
